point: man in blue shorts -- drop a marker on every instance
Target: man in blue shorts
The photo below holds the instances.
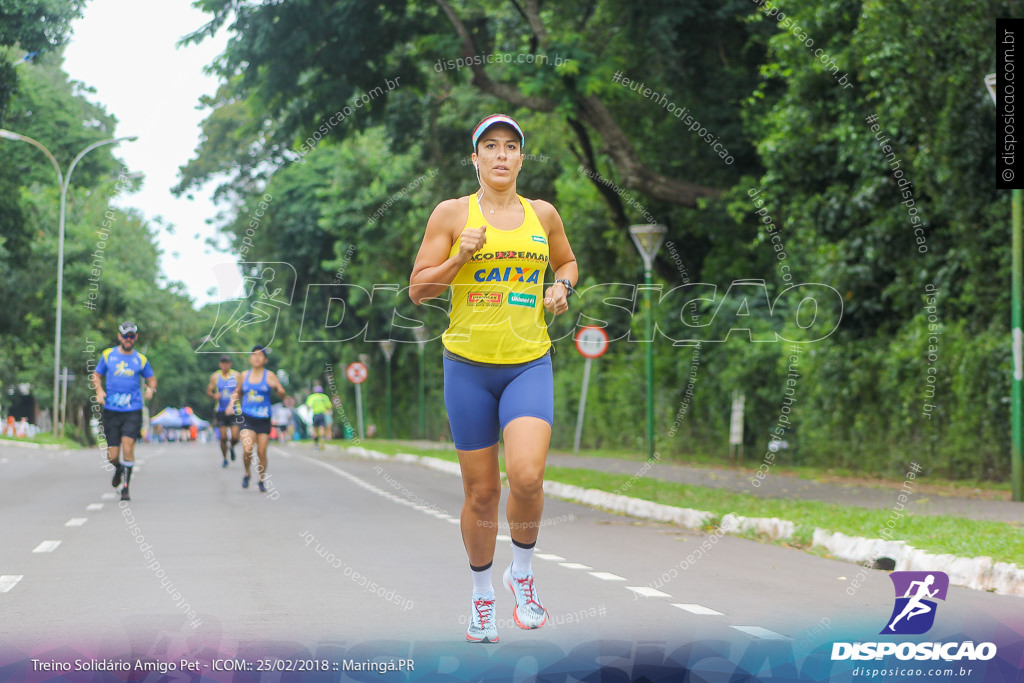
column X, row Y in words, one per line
column 222, row 384
column 116, row 381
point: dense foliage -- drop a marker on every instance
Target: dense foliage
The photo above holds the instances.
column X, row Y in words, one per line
column 111, row 270
column 844, row 143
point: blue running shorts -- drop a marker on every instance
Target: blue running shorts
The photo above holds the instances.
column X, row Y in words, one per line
column 482, row 399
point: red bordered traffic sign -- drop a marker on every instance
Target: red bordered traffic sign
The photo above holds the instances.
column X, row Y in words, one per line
column 356, row 373
column 592, row 341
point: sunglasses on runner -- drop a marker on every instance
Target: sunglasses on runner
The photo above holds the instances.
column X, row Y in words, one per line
column 129, row 335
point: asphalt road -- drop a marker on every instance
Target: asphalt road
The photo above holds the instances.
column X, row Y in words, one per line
column 347, row 559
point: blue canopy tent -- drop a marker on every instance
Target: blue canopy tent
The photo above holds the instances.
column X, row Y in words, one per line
column 176, row 418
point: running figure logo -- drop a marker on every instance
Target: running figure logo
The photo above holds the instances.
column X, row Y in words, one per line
column 266, row 289
column 913, row 613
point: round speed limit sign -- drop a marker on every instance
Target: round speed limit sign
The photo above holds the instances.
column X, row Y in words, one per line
column 591, row 341
column 356, row 373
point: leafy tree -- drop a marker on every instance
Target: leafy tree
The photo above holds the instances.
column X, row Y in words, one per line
column 111, row 269
column 26, row 26
column 795, row 122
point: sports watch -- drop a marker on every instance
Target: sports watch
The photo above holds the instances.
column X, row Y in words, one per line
column 569, row 289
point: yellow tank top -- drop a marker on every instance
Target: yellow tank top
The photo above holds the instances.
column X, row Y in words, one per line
column 497, row 307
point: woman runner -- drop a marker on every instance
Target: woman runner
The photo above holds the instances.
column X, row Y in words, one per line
column 253, row 391
column 492, row 249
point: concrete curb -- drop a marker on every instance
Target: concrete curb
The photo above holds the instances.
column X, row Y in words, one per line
column 979, row 573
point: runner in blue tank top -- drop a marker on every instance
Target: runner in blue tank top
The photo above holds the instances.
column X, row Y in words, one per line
column 252, row 395
column 116, row 382
column 221, row 387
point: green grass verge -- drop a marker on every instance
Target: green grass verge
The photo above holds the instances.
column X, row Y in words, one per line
column 396, row 447
column 935, row 534
column 48, row 439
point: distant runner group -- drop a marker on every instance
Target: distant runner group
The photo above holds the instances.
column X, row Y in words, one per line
column 242, row 413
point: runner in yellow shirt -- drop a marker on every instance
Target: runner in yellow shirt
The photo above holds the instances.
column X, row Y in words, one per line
column 492, row 250
column 320, row 404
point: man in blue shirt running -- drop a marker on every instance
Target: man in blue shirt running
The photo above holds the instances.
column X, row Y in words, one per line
column 116, row 381
column 222, row 385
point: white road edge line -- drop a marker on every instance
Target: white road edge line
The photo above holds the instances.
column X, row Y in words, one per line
column 366, row 485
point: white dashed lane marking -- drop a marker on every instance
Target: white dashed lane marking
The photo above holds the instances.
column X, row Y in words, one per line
column 7, row 581
column 108, row 496
column 645, row 591
column 94, row 506
column 46, row 547
column 648, row 592
column 759, row 632
column 697, row 609
column 76, row 521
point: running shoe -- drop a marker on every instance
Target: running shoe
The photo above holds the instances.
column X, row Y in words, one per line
column 482, row 628
column 225, row 463
column 263, row 489
column 118, row 471
column 124, row 494
column 528, row 612
column 245, row 482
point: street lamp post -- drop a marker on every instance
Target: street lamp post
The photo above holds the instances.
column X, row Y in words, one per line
column 388, row 349
column 647, row 239
column 1017, row 279
column 422, row 336
column 63, row 183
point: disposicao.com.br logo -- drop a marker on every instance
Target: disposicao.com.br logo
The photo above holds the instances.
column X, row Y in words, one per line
column 912, row 592
column 913, row 613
